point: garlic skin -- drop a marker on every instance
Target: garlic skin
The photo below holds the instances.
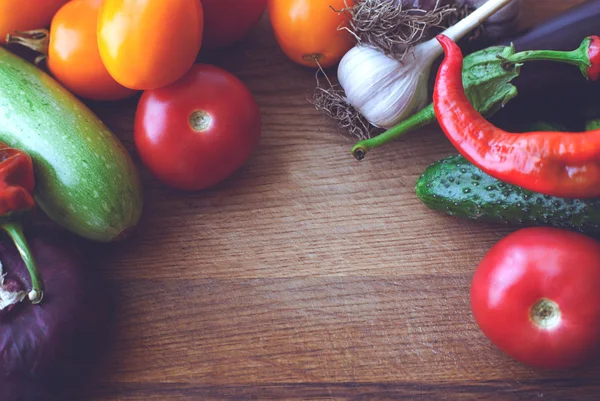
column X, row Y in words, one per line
column 384, row 90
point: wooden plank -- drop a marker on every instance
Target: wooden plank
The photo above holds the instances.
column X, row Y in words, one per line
column 301, row 330
column 553, row 390
column 306, row 275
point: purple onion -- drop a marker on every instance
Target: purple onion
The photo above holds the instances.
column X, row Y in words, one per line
column 47, row 349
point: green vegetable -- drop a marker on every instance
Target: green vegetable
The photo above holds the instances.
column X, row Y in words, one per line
column 487, row 85
column 592, row 125
column 85, row 179
column 458, row 188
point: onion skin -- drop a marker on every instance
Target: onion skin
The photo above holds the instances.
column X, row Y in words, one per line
column 46, row 349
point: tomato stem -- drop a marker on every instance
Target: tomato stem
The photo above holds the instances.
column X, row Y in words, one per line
column 36, row 40
column 316, row 57
column 545, row 314
column 200, row 120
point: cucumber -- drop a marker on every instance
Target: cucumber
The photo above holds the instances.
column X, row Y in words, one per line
column 458, row 188
column 86, row 181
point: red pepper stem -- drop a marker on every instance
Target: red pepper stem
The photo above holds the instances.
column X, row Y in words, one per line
column 579, row 57
column 418, row 120
column 15, row 231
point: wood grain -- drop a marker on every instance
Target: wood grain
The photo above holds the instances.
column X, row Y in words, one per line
column 306, row 275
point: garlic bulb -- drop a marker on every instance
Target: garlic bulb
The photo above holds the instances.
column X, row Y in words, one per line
column 381, row 88
column 387, row 91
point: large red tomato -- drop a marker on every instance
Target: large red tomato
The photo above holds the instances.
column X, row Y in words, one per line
column 229, row 21
column 536, row 296
column 198, row 131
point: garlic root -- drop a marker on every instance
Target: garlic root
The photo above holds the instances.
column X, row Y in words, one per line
column 332, row 102
column 394, row 29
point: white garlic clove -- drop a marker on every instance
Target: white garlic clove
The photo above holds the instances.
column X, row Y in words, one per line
column 384, row 90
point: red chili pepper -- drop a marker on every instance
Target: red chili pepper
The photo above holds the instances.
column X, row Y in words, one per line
column 17, row 184
column 594, row 56
column 559, row 164
column 586, row 57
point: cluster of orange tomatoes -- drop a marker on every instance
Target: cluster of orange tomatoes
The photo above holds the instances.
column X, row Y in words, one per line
column 195, row 123
column 108, row 49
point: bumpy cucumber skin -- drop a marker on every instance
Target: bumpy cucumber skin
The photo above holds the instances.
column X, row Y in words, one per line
column 458, row 188
column 85, row 179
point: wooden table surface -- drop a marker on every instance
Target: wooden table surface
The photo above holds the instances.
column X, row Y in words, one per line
column 307, row 275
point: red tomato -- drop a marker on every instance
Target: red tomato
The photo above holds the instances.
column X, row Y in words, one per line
column 535, row 296
column 196, row 132
column 229, row 21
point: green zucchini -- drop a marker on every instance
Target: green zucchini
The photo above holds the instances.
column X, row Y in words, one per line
column 85, row 179
column 458, row 188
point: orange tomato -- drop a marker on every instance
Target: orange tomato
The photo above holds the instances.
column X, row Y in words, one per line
column 148, row 44
column 309, row 30
column 24, row 15
column 73, row 55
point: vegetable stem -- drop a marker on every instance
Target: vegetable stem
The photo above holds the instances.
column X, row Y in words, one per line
column 476, row 18
column 15, row 231
column 432, row 48
column 578, row 57
column 418, row 120
column 37, row 40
